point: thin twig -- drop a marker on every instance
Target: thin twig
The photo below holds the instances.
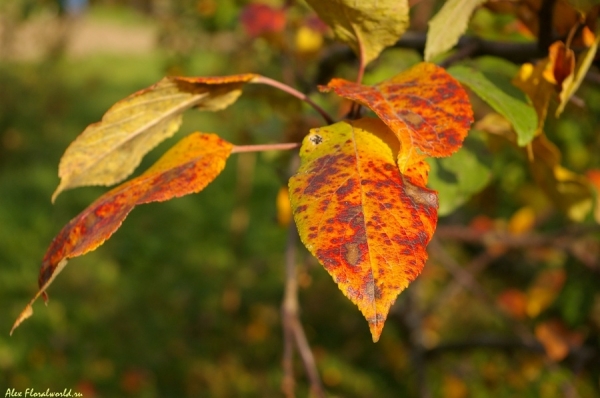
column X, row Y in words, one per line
column 265, row 147
column 289, row 307
column 292, row 91
column 292, row 328
column 309, row 360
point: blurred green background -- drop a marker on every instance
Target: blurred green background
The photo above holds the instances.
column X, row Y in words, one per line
column 184, row 300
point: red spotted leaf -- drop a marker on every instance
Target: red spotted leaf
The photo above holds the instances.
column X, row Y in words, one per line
column 426, row 108
column 366, row 222
column 186, row 168
column 108, row 151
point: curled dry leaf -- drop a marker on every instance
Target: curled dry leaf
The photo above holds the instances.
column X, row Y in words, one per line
column 366, row 223
column 572, row 81
column 108, row 151
column 425, row 107
column 186, row 168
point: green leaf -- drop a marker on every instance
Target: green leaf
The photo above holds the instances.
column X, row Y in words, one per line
column 448, row 25
column 458, row 177
column 372, row 25
column 505, row 98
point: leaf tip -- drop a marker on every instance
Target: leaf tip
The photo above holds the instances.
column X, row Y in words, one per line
column 376, row 329
column 26, row 313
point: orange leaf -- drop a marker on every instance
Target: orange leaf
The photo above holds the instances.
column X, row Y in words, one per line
column 557, row 339
column 367, row 223
column 561, row 65
column 425, row 107
column 108, row 151
column 186, row 168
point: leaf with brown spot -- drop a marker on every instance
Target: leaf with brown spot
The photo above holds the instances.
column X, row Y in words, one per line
column 186, row 168
column 367, row 223
column 108, row 151
column 425, row 107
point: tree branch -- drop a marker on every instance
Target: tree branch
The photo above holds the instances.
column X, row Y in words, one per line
column 292, row 328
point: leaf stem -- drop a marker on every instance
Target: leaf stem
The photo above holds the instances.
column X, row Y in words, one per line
column 292, row 91
column 362, row 65
column 265, row 147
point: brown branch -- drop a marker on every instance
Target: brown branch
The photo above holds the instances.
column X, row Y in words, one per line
column 545, row 18
column 289, row 307
column 292, row 328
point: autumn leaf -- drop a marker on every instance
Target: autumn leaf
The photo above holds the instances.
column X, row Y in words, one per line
column 561, row 64
column 424, row 106
column 448, row 25
column 367, row 26
column 366, row 223
column 108, row 151
column 186, row 168
column 539, row 89
column 557, row 339
column 572, row 82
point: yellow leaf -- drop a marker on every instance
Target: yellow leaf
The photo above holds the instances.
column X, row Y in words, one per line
column 108, row 151
column 366, row 26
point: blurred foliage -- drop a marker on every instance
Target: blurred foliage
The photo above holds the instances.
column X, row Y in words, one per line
column 184, row 300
